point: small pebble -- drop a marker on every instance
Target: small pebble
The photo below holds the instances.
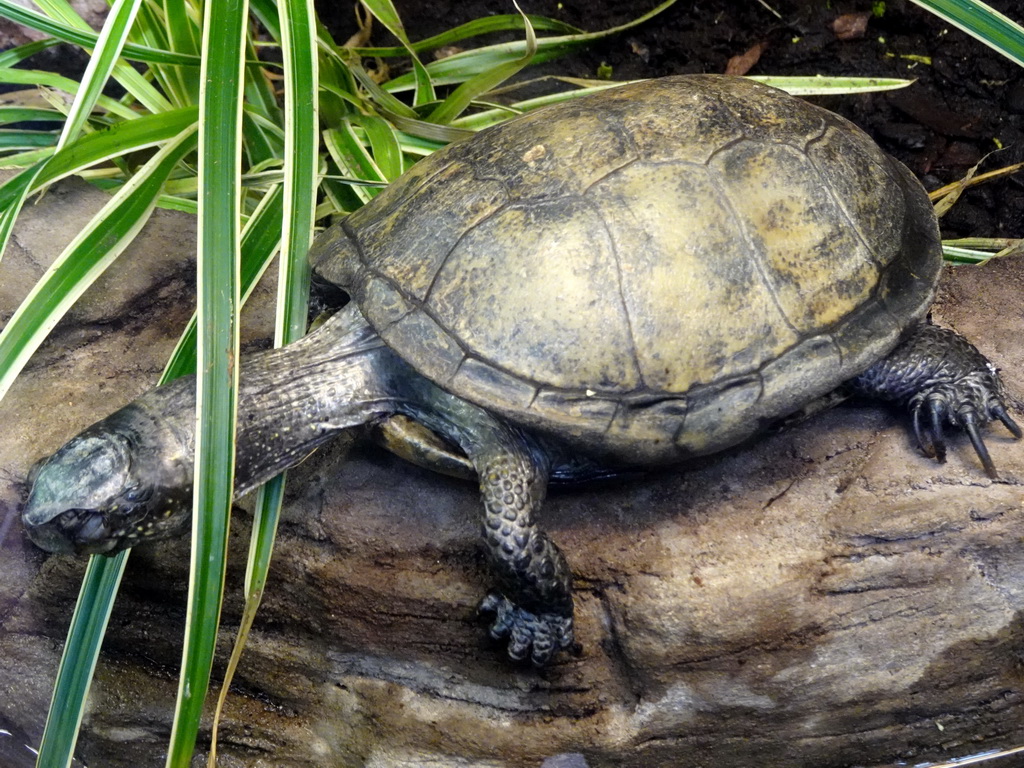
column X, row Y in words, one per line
column 566, row 760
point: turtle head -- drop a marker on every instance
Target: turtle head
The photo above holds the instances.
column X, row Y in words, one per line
column 117, row 483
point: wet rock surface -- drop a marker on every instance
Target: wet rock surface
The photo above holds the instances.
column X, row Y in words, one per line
column 825, row 596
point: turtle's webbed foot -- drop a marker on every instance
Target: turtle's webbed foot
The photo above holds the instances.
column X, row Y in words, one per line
column 540, row 636
column 944, row 380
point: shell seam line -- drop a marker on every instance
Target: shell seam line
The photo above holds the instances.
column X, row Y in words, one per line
column 617, row 262
column 836, row 199
column 714, row 177
column 623, row 397
column 504, row 206
column 605, row 176
column 418, row 306
column 619, row 397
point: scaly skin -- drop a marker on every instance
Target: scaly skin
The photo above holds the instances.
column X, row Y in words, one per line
column 942, row 378
column 533, row 603
column 128, row 478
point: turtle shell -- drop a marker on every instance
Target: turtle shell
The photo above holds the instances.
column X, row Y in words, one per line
column 651, row 272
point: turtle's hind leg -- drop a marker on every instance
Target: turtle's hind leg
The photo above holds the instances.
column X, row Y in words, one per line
column 943, row 379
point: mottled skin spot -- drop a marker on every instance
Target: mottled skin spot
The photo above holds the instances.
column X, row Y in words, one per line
column 634, row 278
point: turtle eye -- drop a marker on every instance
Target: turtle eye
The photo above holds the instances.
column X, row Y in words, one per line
column 137, row 494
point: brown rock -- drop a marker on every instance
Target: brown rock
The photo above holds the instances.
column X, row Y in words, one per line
column 823, row 597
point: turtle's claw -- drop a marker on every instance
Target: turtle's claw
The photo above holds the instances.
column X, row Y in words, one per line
column 969, row 420
column 539, row 636
column 939, row 409
column 945, row 381
column 931, row 439
column 998, row 410
column 936, row 411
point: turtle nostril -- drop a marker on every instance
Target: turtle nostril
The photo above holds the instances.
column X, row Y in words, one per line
column 137, row 494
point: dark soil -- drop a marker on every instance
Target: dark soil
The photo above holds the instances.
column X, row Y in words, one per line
column 967, row 101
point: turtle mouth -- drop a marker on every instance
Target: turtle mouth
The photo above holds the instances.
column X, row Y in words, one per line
column 77, row 531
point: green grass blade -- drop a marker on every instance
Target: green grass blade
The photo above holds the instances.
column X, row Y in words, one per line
column 300, row 181
column 85, row 259
column 259, row 93
column 261, row 139
column 462, row 66
column 260, row 239
column 487, row 117
column 50, row 80
column 260, row 143
column 266, row 12
column 351, row 156
column 157, row 28
column 965, row 255
column 78, row 663
column 506, row 22
column 272, row 136
column 134, row 82
column 384, row 145
column 101, row 64
column 417, row 145
column 224, row 28
column 140, row 88
column 86, row 38
column 25, row 159
column 14, row 192
column 183, row 35
column 378, row 95
column 15, row 56
column 823, row 86
column 385, row 13
column 298, row 43
column 339, row 92
column 59, row 9
column 978, row 250
column 982, row 22
column 463, row 96
column 18, row 140
column 402, row 117
column 175, row 203
column 10, row 115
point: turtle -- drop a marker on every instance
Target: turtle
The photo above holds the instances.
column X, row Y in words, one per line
column 633, row 278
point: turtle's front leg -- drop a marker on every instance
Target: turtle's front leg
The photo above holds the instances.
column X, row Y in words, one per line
column 533, row 604
column 943, row 379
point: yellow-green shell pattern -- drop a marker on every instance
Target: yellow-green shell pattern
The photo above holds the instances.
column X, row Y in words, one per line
column 649, row 273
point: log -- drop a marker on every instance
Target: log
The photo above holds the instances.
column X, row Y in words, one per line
column 825, row 596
